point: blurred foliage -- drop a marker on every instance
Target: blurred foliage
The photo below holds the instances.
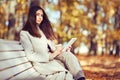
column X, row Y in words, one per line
column 73, row 14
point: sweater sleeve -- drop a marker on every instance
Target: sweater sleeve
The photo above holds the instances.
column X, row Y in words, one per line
column 30, row 53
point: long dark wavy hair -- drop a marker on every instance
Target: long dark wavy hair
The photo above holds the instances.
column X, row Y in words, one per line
column 45, row 26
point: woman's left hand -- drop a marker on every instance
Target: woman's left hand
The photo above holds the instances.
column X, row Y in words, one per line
column 68, row 48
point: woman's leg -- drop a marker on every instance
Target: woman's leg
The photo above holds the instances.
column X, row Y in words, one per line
column 65, row 75
column 72, row 64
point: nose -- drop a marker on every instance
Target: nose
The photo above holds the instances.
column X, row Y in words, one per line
column 40, row 17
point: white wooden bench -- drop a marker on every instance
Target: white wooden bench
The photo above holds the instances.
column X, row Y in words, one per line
column 13, row 62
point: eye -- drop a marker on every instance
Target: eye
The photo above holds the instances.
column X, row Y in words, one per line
column 42, row 15
column 37, row 14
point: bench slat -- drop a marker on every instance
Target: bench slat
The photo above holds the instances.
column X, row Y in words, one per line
column 13, row 71
column 12, row 62
column 9, row 41
column 8, row 55
column 9, row 47
column 28, row 75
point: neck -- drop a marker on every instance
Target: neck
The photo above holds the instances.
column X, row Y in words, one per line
column 37, row 26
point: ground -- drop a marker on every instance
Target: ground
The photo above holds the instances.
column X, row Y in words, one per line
column 100, row 67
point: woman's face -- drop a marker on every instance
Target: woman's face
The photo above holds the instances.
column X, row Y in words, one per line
column 39, row 16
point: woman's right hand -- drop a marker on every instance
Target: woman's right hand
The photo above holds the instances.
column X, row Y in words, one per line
column 57, row 52
column 58, row 49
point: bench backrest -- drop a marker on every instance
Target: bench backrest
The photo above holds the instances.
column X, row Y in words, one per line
column 13, row 63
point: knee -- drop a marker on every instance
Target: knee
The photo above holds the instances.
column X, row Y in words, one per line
column 69, row 55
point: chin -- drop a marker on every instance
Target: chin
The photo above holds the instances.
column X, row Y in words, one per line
column 39, row 23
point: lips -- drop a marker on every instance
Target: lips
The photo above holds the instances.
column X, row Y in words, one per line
column 38, row 20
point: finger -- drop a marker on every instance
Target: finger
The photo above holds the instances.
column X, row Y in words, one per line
column 68, row 49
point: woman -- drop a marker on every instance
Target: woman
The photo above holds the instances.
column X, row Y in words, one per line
column 37, row 38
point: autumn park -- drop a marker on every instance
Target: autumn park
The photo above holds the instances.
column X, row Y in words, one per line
column 95, row 24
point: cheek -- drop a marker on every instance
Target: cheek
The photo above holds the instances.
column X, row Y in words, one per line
column 37, row 18
column 42, row 19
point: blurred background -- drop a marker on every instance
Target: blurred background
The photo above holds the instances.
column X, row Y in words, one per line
column 95, row 23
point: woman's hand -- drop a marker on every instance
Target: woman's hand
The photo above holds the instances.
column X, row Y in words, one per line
column 68, row 48
column 57, row 52
column 58, row 49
